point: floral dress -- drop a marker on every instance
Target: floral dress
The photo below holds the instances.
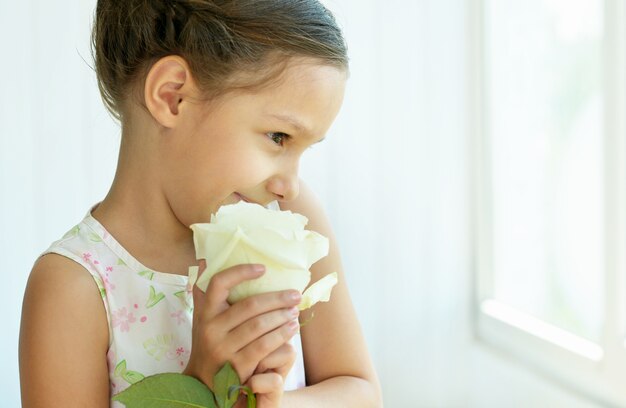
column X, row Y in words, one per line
column 149, row 313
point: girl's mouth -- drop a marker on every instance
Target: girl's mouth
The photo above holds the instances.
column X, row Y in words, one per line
column 242, row 197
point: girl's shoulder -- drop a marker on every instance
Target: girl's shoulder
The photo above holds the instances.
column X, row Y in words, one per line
column 59, row 283
column 63, row 325
column 59, row 273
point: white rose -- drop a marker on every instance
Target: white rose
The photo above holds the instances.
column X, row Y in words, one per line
column 245, row 233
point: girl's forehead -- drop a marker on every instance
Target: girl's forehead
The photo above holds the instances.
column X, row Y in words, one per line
column 289, row 71
column 308, row 99
column 298, row 78
column 297, row 84
column 312, row 71
column 304, row 101
column 309, row 81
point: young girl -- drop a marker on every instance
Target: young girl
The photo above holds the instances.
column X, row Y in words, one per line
column 217, row 101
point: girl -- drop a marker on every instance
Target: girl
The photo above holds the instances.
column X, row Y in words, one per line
column 217, row 101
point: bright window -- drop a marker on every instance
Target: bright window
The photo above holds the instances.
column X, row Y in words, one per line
column 546, row 118
column 549, row 133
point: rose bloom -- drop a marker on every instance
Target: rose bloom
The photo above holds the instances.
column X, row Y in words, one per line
column 248, row 233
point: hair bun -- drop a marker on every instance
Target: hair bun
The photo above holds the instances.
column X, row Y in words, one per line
column 217, row 38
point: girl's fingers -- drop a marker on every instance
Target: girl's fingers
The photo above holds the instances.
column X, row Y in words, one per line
column 254, row 328
column 244, row 333
column 221, row 283
column 280, row 361
column 264, row 346
column 269, row 384
column 249, row 308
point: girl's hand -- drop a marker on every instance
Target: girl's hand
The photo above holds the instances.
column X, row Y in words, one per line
column 268, row 380
column 245, row 333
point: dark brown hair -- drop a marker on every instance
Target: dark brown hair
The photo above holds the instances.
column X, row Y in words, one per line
column 217, row 38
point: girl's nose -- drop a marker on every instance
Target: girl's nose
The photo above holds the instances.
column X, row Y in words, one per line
column 284, row 187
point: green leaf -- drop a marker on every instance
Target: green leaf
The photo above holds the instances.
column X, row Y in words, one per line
column 225, row 378
column 167, row 391
column 154, row 298
column 178, row 390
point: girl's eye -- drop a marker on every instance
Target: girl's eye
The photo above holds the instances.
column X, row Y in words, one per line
column 278, row 137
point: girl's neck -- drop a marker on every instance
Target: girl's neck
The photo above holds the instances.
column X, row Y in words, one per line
column 138, row 215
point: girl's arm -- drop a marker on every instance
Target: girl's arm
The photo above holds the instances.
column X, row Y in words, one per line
column 339, row 371
column 63, row 338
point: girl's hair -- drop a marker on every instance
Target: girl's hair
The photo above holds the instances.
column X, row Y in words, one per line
column 217, row 38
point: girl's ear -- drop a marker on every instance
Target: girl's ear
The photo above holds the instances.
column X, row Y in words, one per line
column 167, row 87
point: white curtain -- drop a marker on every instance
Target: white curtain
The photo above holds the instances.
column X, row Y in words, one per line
column 393, row 174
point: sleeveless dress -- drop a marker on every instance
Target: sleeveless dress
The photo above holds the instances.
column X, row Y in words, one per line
column 149, row 312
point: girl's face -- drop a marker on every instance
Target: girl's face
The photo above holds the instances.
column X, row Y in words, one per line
column 248, row 145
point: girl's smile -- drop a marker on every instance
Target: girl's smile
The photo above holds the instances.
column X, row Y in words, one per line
column 241, row 197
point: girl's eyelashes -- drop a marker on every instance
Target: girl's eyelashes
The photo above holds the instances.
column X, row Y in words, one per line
column 278, row 138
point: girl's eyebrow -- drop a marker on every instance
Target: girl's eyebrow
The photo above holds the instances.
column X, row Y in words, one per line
column 295, row 124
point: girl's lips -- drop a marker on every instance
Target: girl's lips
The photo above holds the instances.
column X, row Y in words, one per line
column 244, row 198
column 247, row 200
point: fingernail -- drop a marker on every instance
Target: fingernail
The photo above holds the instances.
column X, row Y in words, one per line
column 295, row 295
column 259, row 268
column 293, row 325
column 294, row 311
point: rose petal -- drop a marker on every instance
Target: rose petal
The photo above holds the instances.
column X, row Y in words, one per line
column 245, row 233
column 252, row 216
column 216, row 250
column 319, row 291
column 273, row 280
column 215, row 242
column 279, row 275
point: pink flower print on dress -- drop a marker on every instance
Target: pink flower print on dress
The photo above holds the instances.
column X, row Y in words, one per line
column 123, row 319
column 179, row 316
column 178, row 353
column 87, row 258
column 108, row 285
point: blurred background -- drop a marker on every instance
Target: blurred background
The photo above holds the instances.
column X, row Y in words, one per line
column 474, row 178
